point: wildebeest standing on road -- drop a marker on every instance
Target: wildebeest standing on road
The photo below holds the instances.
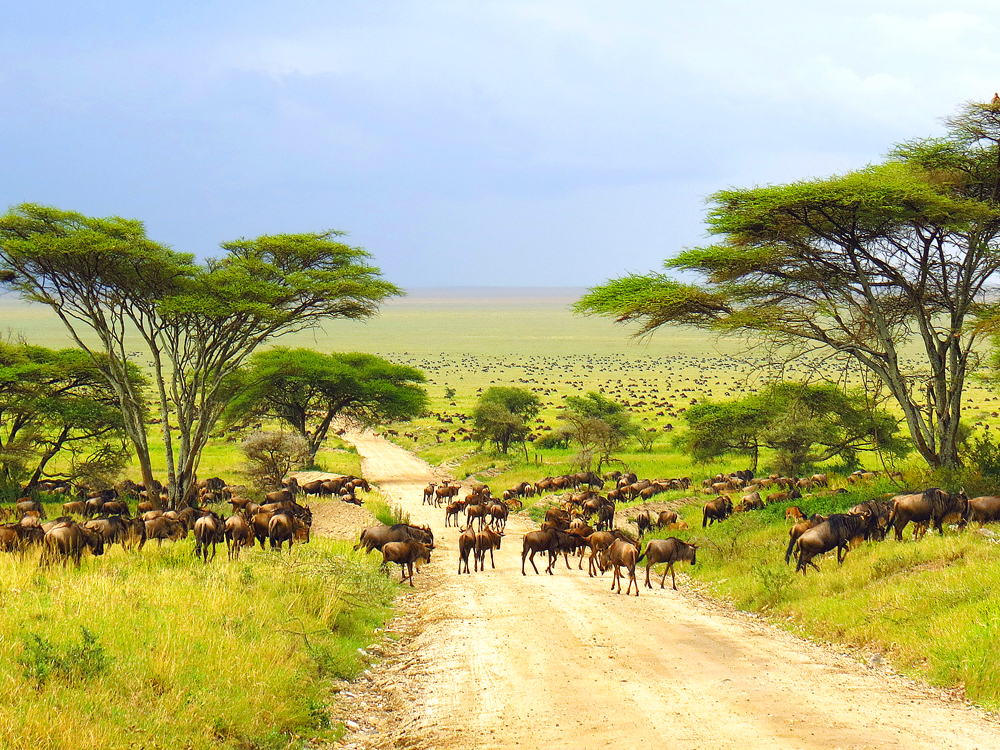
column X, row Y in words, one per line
column 406, row 554
column 670, row 551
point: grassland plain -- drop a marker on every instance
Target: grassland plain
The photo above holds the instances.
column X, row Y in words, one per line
column 155, row 649
column 930, row 607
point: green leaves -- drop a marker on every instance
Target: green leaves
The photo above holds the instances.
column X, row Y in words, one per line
column 501, row 416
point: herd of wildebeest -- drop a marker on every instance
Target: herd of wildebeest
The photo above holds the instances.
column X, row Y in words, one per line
column 580, row 516
column 567, row 528
column 95, row 519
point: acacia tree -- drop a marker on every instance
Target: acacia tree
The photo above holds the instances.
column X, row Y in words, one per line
column 309, row 390
column 803, row 423
column 198, row 322
column 53, row 402
column 600, row 425
column 854, row 266
column 501, row 416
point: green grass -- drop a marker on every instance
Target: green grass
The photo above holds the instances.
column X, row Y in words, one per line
column 930, row 606
column 157, row 650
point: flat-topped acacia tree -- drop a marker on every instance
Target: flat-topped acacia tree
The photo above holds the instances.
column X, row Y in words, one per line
column 857, row 266
column 104, row 278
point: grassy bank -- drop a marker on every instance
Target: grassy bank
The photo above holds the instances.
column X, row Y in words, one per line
column 157, row 650
column 931, row 607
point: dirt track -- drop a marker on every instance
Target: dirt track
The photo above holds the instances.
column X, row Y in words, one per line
column 499, row 660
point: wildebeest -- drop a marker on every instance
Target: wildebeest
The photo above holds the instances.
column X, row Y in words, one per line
column 552, row 541
column 69, row 540
column 466, row 547
column 486, row 540
column 984, row 509
column 238, row 534
column 666, row 518
column 374, row 537
column 642, row 522
column 879, row 511
column 621, row 554
column 798, row 530
column 407, row 555
column 933, row 506
column 285, row 527
column 165, row 528
column 836, row 532
column 670, row 551
column 717, row 510
column 208, row 530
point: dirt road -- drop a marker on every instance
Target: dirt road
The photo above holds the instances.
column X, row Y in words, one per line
column 497, row 660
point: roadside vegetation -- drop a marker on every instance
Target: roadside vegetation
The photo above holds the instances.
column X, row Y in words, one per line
column 157, row 650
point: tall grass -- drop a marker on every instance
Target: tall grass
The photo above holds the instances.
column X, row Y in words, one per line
column 157, row 650
column 385, row 511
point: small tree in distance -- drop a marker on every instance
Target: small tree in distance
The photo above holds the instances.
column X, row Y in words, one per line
column 502, row 414
column 271, row 455
column 600, row 425
column 309, row 391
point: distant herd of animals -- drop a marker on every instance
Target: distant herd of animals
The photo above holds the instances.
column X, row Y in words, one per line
column 567, row 529
column 96, row 519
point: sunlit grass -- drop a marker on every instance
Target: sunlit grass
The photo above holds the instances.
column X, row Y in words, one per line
column 229, row 654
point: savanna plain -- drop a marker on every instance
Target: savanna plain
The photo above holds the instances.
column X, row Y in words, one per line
column 893, row 647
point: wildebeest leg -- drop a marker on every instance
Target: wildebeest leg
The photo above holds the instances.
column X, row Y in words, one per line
column 566, row 556
column 648, row 566
column 553, row 556
column 673, row 577
column 409, row 569
column 492, row 563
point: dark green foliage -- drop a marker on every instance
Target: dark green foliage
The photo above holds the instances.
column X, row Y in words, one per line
column 309, row 391
column 804, row 424
column 53, row 401
column 41, row 659
column 502, row 415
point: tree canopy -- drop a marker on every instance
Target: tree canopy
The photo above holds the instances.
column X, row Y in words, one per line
column 600, row 425
column 52, row 402
column 802, row 423
column 502, row 416
column 854, row 266
column 198, row 321
column 309, row 391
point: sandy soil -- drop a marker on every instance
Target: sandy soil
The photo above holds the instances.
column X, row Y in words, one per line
column 497, row 660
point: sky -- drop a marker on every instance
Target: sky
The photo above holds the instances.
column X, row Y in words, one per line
column 556, row 143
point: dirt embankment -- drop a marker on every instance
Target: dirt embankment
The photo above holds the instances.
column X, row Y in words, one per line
column 501, row 660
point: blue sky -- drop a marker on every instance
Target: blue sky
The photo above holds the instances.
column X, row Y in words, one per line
column 466, row 143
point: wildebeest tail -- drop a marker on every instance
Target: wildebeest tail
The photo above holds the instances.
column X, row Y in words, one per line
column 791, row 546
column 639, row 558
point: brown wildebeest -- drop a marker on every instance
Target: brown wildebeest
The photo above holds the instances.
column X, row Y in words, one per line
column 836, row 532
column 407, row 555
column 621, row 554
column 642, row 522
column 473, row 512
column 69, row 541
column 794, row 514
column 285, row 527
column 26, row 505
column 111, row 529
column 466, row 547
column 932, row 506
column 499, row 512
column 238, row 534
column 451, row 512
column 445, row 491
column 798, row 530
column 486, row 540
column 984, row 509
column 373, row 537
column 541, row 541
column 670, row 551
column 429, row 494
column 165, row 528
column 74, row 507
column 666, row 518
column 208, row 530
column 717, row 510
